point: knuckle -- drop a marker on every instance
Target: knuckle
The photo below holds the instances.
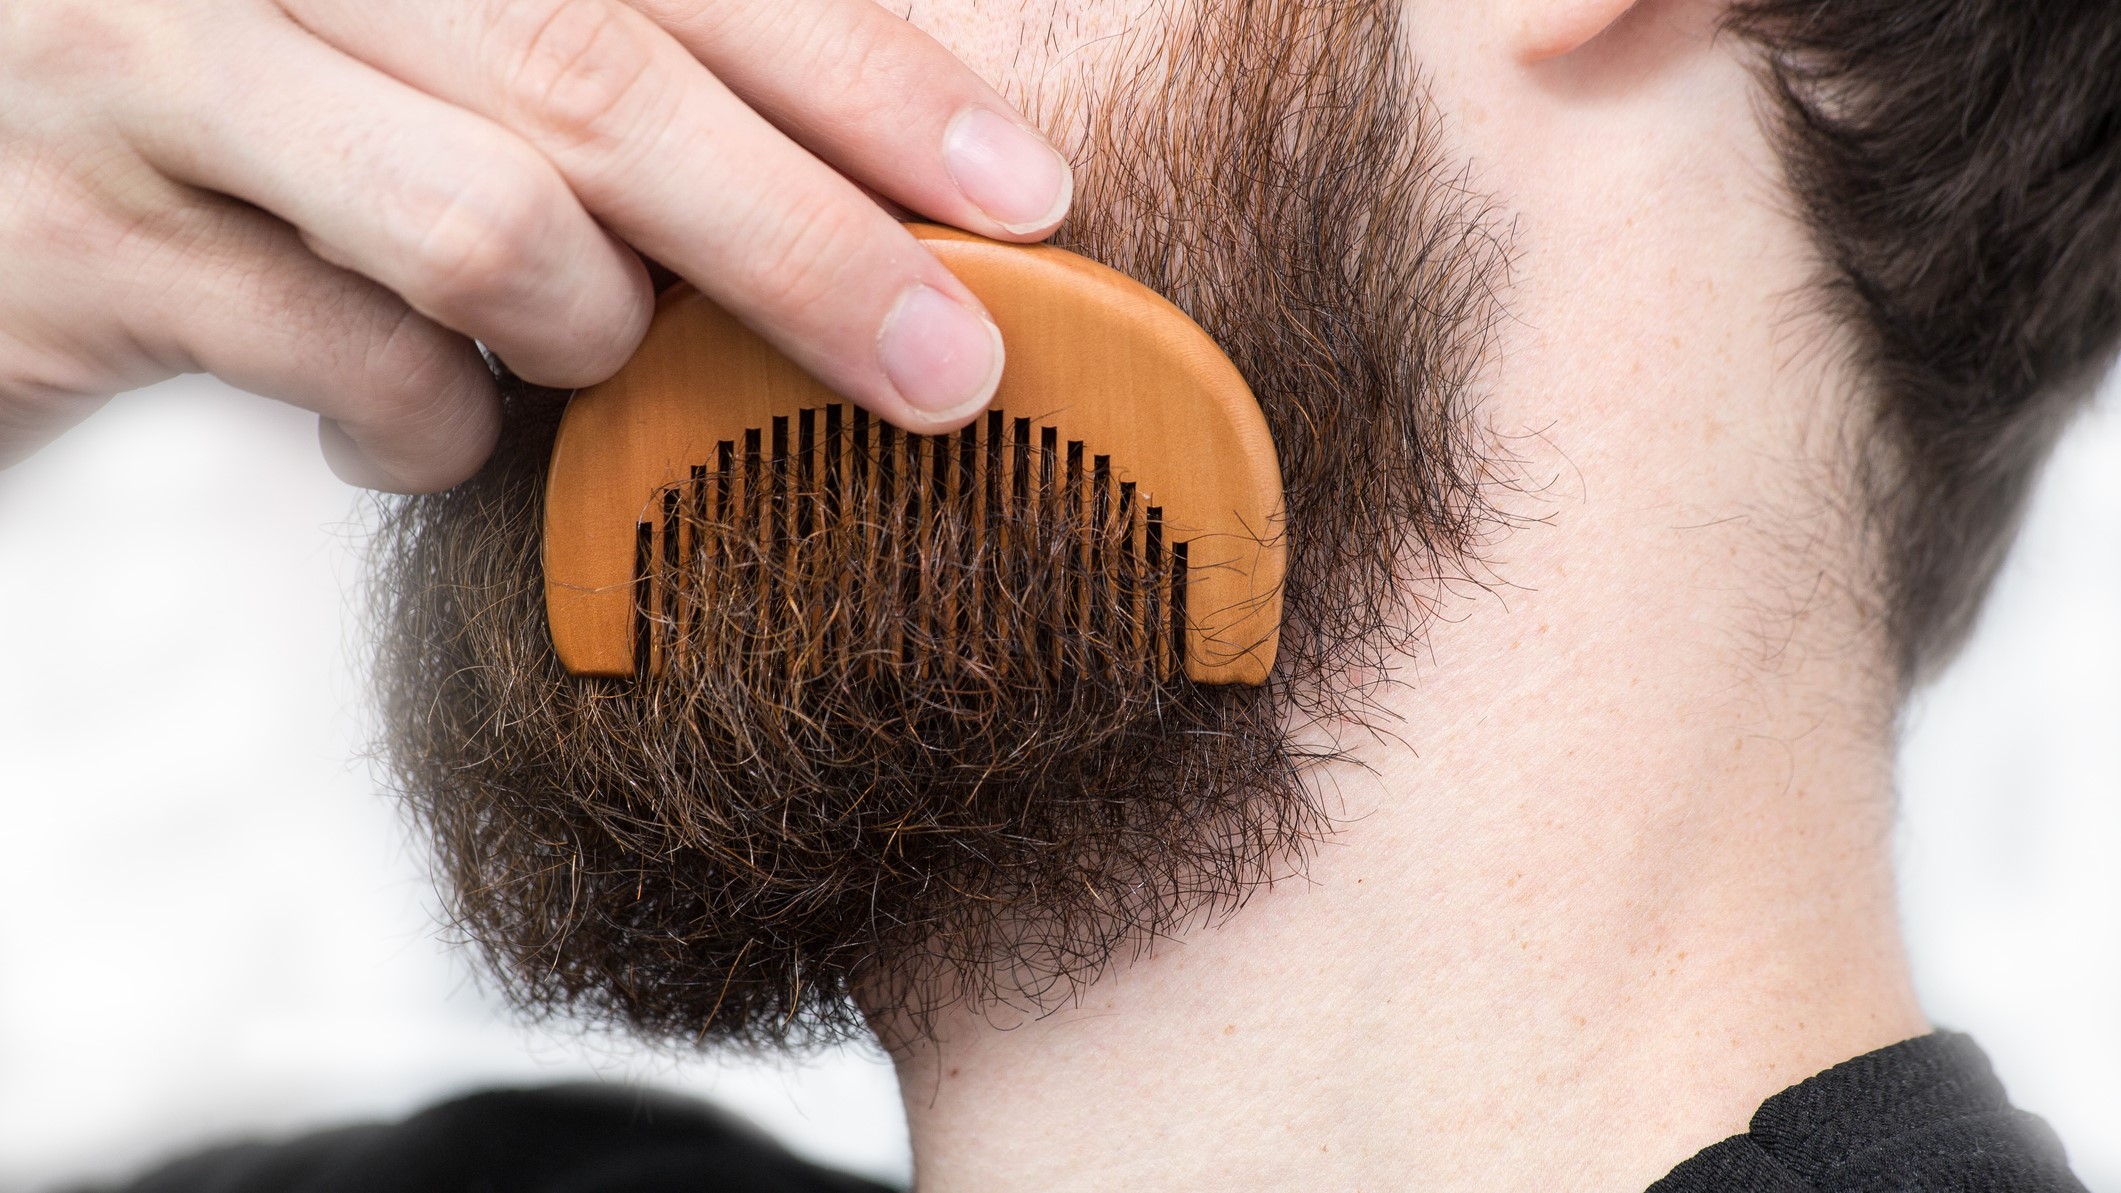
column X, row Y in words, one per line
column 866, row 54
column 83, row 200
column 415, row 373
column 807, row 262
column 61, row 220
column 41, row 394
column 879, row 71
column 60, row 41
column 476, row 243
column 420, row 416
column 578, row 66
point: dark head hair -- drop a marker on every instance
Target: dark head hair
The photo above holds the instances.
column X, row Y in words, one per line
column 1959, row 162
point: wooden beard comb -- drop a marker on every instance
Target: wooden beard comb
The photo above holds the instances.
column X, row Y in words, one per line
column 1118, row 505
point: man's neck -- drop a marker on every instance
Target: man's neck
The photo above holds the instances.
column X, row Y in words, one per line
column 1564, row 946
column 1615, row 867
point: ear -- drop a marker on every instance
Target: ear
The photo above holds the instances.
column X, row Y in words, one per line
column 1546, row 29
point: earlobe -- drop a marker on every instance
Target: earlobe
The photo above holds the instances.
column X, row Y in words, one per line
column 1551, row 28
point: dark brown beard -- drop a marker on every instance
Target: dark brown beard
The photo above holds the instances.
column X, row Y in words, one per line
column 731, row 853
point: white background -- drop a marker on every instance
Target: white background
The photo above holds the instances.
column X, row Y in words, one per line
column 211, row 924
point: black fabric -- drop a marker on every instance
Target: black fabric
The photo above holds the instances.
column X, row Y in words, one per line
column 566, row 1139
column 1923, row 1116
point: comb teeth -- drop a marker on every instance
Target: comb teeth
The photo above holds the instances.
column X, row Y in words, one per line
column 831, row 540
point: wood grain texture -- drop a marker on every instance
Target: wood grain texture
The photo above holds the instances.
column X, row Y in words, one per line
column 1090, row 351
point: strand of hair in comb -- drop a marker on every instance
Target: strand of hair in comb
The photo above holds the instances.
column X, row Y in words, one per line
column 997, row 547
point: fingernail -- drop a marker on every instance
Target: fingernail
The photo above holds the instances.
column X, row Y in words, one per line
column 1007, row 170
column 944, row 359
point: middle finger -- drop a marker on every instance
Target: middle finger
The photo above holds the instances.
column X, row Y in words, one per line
column 678, row 165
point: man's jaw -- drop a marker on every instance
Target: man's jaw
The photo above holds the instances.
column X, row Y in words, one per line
column 707, row 856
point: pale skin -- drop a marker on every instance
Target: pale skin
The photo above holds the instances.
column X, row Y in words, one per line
column 414, row 176
column 1619, row 871
column 1622, row 871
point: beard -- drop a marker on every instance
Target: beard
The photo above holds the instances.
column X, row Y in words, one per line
column 739, row 853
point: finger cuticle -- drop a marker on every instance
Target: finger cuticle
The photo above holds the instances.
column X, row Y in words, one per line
column 1007, row 170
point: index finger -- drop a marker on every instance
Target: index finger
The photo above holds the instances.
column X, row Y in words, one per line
column 898, row 113
column 673, row 161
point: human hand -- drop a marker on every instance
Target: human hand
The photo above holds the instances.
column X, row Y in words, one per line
column 326, row 201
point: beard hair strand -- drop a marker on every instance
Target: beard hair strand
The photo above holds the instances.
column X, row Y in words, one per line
column 725, row 854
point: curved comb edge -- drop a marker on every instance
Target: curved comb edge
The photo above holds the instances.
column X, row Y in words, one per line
column 1086, row 344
